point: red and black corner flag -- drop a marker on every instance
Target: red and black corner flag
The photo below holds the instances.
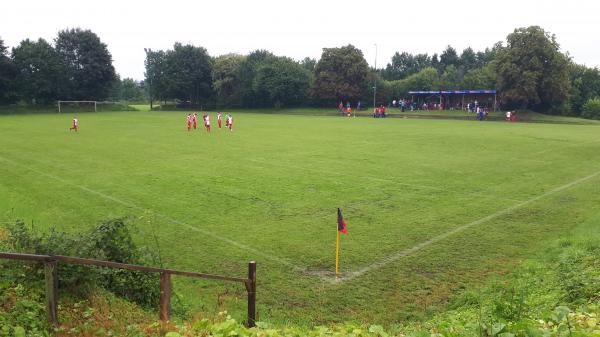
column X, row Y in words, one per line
column 342, row 227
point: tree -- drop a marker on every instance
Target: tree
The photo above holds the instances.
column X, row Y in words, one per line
column 480, row 78
column 247, row 74
column 426, row 79
column 88, row 64
column 450, row 79
column 405, row 64
column 449, row 57
column 284, row 81
column 435, row 62
column 156, row 80
column 309, row 64
column 591, row 109
column 468, row 60
column 129, row 90
column 532, row 72
column 39, row 71
column 585, row 85
column 400, row 66
column 188, row 70
column 225, row 78
column 340, row 74
column 7, row 76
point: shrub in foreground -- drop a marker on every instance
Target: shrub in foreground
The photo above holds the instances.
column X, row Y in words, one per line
column 111, row 240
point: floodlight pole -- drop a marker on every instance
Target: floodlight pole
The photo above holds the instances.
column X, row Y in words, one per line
column 375, row 79
column 148, row 50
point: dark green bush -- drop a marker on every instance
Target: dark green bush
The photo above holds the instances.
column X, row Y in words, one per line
column 111, row 240
column 591, row 109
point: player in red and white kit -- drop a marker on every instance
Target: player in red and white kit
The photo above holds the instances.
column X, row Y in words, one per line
column 229, row 122
column 219, row 119
column 189, row 121
column 75, row 124
column 195, row 120
column 207, row 122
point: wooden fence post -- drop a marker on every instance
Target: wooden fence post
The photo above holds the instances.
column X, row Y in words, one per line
column 165, row 296
column 51, row 273
column 251, row 289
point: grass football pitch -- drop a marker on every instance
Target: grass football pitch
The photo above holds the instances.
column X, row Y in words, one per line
column 432, row 206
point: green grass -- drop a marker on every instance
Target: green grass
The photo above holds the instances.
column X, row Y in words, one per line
column 269, row 190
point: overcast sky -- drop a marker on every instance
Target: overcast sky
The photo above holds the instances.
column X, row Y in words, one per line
column 302, row 28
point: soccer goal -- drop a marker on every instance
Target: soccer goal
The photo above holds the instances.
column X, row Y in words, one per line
column 89, row 106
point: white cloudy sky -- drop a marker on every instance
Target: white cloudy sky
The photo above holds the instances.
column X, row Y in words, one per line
column 302, row 28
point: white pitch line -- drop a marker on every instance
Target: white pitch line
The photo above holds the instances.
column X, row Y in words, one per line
column 409, row 251
column 163, row 216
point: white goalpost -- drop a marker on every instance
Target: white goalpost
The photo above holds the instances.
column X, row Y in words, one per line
column 79, row 104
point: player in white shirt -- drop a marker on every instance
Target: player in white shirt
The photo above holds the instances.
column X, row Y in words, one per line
column 75, row 124
column 229, row 122
column 207, row 123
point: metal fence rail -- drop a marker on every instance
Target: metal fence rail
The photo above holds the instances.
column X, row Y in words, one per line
column 51, row 280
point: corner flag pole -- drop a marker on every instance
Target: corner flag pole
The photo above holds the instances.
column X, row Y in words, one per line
column 337, row 253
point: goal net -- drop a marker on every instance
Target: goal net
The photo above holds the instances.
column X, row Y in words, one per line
column 91, row 106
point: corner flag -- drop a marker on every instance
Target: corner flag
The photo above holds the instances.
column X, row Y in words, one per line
column 341, row 228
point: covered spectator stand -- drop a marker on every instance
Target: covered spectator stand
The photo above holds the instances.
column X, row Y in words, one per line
column 456, row 99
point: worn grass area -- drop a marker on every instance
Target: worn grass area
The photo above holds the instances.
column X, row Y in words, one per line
column 269, row 190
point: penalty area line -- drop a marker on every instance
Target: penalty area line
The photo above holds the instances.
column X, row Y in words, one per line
column 409, row 251
column 160, row 215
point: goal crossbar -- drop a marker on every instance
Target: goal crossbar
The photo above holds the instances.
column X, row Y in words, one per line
column 95, row 103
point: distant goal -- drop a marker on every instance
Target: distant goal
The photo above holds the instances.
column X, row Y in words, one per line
column 90, row 106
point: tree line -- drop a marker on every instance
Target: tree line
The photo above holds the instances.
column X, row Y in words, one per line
column 529, row 70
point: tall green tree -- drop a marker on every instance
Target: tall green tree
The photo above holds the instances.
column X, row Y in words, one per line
column 225, row 79
column 88, row 64
column 479, row 78
column 450, row 79
column 189, row 73
column 426, row 79
column 449, row 57
column 156, row 73
column 309, row 64
column 128, row 89
column 405, row 64
column 340, row 74
column 7, row 76
column 284, row 81
column 40, row 73
column 247, row 74
column 532, row 72
column 468, row 60
column 585, row 85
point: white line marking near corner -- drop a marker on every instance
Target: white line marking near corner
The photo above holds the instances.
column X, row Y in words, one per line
column 163, row 216
column 409, row 251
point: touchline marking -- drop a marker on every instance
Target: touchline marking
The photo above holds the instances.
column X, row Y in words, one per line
column 409, row 251
column 160, row 215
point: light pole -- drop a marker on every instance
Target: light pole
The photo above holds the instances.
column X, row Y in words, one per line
column 148, row 51
column 375, row 80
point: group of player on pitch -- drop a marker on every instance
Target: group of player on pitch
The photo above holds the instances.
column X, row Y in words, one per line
column 192, row 121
